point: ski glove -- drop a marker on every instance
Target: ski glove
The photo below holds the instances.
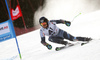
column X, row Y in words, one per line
column 68, row 23
column 48, row 46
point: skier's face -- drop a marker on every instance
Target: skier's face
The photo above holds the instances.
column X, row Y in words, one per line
column 44, row 25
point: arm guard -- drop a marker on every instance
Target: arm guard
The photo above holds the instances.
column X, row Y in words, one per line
column 57, row 21
column 68, row 23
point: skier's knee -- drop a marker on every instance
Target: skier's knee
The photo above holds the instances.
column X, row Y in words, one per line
column 68, row 36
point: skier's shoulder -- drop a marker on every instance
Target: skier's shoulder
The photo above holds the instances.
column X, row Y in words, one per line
column 41, row 29
column 53, row 21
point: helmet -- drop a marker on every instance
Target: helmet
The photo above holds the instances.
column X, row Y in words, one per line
column 43, row 19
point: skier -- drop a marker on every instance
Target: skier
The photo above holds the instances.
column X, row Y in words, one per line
column 56, row 34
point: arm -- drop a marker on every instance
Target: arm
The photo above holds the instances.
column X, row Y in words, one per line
column 68, row 23
column 42, row 37
column 43, row 41
column 57, row 21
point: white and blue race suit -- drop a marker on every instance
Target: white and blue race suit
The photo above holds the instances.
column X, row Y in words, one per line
column 55, row 34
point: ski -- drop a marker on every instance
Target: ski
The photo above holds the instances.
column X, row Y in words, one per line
column 60, row 48
column 86, row 42
column 82, row 43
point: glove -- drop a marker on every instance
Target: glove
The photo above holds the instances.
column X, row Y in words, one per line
column 68, row 23
column 49, row 46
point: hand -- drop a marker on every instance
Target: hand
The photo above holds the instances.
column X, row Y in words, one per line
column 68, row 23
column 49, row 46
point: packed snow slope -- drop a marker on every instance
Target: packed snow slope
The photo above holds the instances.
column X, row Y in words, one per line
column 86, row 25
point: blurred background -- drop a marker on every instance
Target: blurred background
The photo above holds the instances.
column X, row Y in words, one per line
column 28, row 9
column 32, row 10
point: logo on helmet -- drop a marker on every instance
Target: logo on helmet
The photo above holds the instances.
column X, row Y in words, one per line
column 42, row 21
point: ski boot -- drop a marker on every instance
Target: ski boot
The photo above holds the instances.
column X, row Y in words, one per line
column 84, row 39
column 66, row 43
column 87, row 39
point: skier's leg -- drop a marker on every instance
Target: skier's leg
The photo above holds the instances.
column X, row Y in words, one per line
column 72, row 38
column 58, row 40
column 65, row 35
column 83, row 39
column 68, row 36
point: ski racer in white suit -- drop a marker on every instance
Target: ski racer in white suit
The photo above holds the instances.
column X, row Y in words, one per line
column 55, row 34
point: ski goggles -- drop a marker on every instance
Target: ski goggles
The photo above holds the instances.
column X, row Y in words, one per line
column 44, row 23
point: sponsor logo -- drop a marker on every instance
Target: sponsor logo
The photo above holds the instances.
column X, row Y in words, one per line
column 4, row 28
column 5, row 37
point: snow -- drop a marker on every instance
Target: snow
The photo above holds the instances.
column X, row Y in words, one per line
column 86, row 25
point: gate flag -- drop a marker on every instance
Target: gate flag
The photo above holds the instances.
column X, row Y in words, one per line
column 15, row 13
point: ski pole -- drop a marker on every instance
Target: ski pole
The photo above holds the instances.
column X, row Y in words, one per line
column 76, row 16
